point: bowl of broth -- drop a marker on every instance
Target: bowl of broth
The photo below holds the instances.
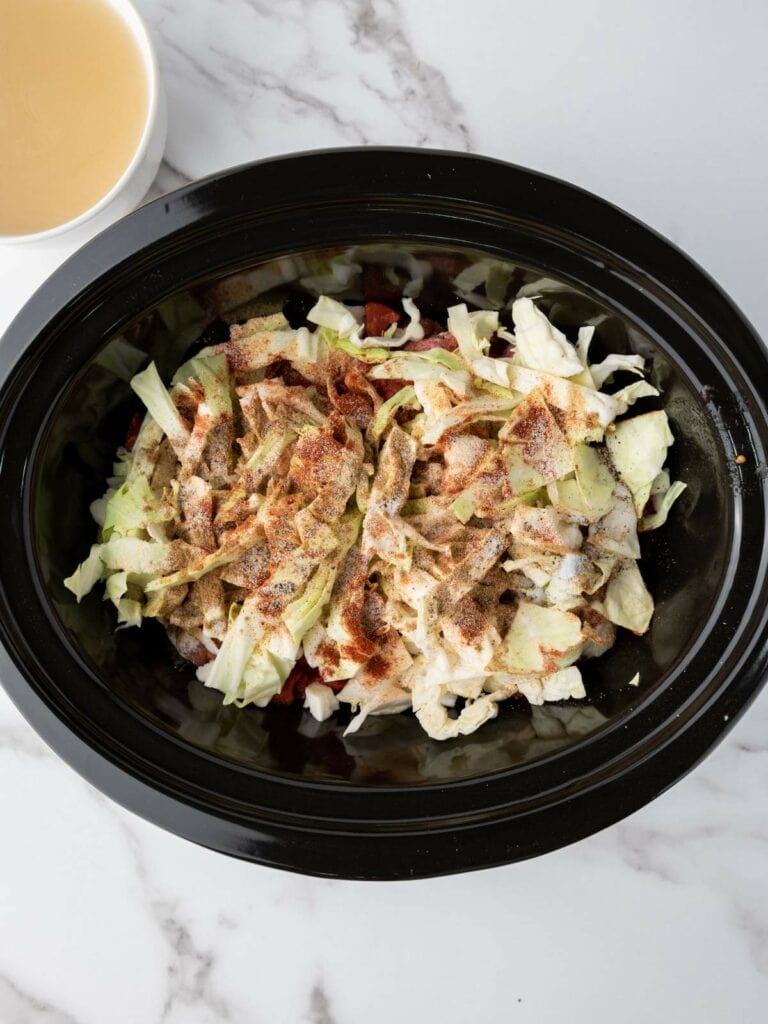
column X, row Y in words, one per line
column 81, row 111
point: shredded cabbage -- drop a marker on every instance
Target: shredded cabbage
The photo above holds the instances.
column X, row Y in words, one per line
column 638, row 450
column 159, row 403
column 297, row 540
column 539, row 345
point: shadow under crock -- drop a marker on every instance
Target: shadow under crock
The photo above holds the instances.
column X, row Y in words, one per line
column 271, row 785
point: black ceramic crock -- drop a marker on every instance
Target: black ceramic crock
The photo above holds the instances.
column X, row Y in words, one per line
column 269, row 785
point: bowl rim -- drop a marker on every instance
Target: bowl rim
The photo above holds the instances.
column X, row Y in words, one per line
column 281, row 839
column 129, row 15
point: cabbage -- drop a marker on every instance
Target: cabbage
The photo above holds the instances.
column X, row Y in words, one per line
column 561, row 685
column 142, row 557
column 638, row 450
column 307, row 345
column 405, row 397
column 539, row 345
column 473, row 411
column 614, row 362
column 225, row 672
column 541, row 528
column 213, row 373
column 320, row 701
column 534, row 447
column 580, row 404
column 568, row 501
column 267, row 669
column 329, row 277
column 129, row 613
column 413, row 614
column 594, row 479
column 302, row 613
column 627, row 601
column 143, row 459
column 421, row 366
column 662, row 504
column 433, row 717
column 496, row 391
column 464, row 507
column 266, row 455
column 473, row 332
column 132, row 507
column 116, row 587
column 478, row 558
column 583, row 341
column 413, row 329
column 87, row 574
column 352, row 348
column 496, row 278
column 540, row 639
column 335, row 316
column 376, row 689
column 237, row 542
column 616, row 532
column 433, row 679
column 258, row 342
column 631, row 393
column 159, row 403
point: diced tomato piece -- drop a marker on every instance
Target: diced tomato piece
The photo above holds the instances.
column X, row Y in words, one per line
column 443, row 340
column 133, row 431
column 301, row 675
column 378, row 318
column 387, row 388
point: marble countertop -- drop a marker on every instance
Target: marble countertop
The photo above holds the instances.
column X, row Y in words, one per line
column 105, row 918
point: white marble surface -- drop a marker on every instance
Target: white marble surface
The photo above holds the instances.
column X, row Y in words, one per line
column 104, row 918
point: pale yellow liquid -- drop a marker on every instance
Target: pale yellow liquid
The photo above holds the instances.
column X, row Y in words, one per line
column 73, row 104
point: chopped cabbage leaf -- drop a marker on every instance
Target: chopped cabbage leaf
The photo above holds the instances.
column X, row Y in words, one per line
column 473, row 411
column 627, row 396
column 336, row 316
column 662, row 506
column 627, row 601
column 601, row 372
column 539, row 345
column 616, row 532
column 404, row 398
column 638, row 449
column 540, row 638
column 159, row 403
column 320, row 701
column 562, row 685
column 473, row 332
column 87, row 574
column 329, row 277
column 132, row 507
column 586, row 412
column 271, row 508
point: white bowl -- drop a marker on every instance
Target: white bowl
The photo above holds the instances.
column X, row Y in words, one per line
column 135, row 181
